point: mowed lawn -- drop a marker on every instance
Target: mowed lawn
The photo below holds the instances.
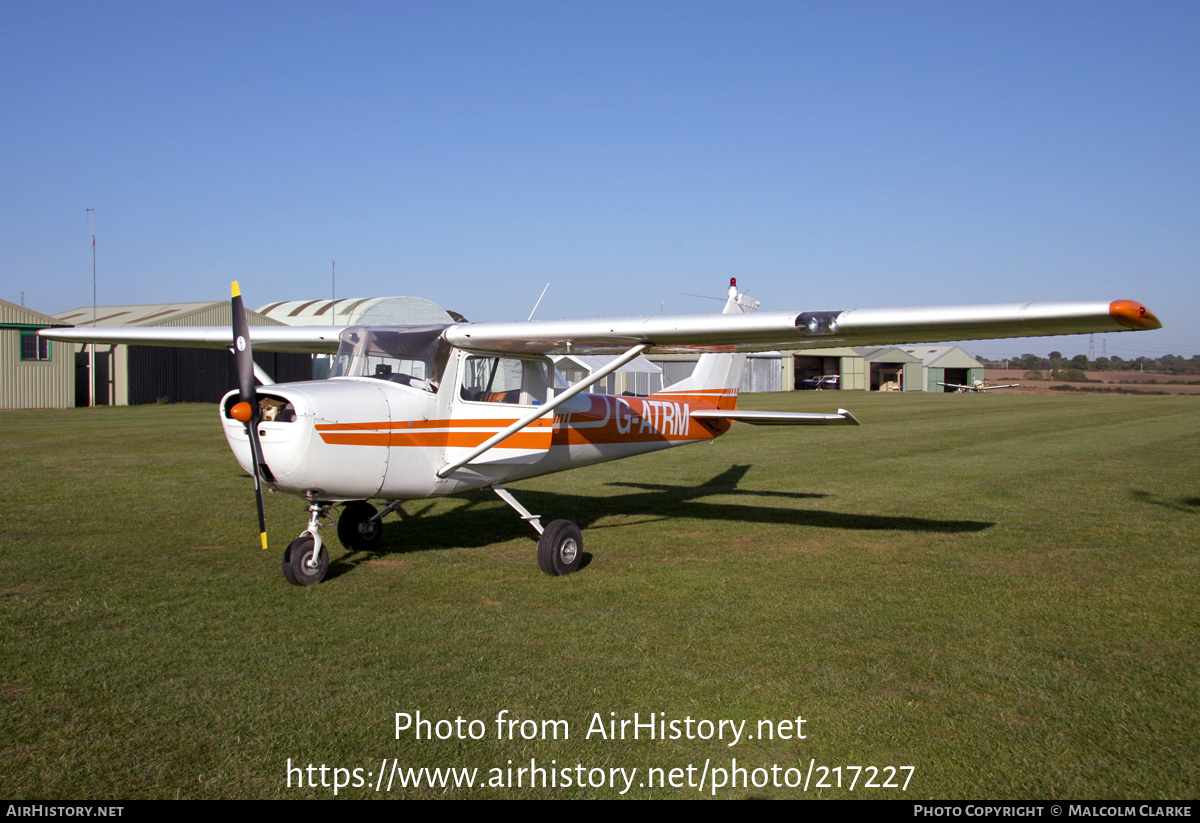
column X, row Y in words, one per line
column 1000, row 592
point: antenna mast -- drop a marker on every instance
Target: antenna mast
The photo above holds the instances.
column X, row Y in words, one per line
column 92, row 346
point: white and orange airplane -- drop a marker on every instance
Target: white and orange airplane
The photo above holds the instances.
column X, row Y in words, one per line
column 412, row 412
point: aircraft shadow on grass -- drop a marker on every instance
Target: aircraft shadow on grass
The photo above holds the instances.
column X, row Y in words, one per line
column 1190, row 505
column 479, row 522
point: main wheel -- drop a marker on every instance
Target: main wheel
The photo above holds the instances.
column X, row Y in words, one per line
column 297, row 562
column 356, row 529
column 560, row 549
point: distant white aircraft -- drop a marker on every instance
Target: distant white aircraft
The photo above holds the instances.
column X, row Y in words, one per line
column 413, row 412
column 978, row 385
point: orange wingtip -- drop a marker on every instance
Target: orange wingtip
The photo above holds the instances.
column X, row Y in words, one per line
column 1133, row 315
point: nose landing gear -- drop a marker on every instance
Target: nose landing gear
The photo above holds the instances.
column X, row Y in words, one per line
column 306, row 561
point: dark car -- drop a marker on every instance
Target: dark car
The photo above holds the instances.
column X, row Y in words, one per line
column 828, row 381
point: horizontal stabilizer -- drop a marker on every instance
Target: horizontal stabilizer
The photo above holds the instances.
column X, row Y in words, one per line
column 770, row 418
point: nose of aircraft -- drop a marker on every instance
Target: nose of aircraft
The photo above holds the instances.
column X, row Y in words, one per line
column 284, row 430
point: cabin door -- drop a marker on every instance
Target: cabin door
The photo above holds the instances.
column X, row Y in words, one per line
column 493, row 392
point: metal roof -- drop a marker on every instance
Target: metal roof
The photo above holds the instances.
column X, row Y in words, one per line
column 354, row 311
column 886, row 354
column 592, row 362
column 12, row 315
column 944, row 357
column 218, row 313
column 128, row 315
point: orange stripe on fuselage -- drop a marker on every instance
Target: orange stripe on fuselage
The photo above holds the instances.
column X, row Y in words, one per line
column 493, row 423
column 441, row 440
column 663, row 417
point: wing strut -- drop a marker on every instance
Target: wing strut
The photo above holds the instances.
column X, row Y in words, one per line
column 542, row 411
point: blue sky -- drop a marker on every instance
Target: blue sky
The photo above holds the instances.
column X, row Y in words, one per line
column 829, row 155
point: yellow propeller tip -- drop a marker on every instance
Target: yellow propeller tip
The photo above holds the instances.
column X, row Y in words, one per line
column 237, row 292
column 262, row 538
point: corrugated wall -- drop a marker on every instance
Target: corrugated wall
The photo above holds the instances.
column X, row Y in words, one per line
column 762, row 374
column 184, row 375
column 32, row 384
column 913, row 373
column 35, row 384
column 675, row 370
column 200, row 375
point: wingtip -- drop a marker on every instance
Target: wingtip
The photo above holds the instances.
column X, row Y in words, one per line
column 1133, row 315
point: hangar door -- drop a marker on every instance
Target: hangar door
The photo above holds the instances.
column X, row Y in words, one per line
column 810, row 367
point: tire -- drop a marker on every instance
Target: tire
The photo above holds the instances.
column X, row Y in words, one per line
column 560, row 549
column 295, row 562
column 355, row 529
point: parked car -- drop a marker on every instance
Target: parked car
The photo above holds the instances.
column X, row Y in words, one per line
column 828, row 381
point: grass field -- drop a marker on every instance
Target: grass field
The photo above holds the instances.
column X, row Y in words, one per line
column 998, row 591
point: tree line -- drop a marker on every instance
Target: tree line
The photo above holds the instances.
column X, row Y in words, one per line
column 1167, row 364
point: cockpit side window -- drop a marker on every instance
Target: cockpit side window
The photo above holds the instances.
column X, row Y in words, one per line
column 516, row 380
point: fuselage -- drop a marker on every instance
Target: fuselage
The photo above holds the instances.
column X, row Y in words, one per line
column 387, row 435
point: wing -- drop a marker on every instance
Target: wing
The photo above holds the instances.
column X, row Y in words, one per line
column 756, row 331
column 761, row 331
column 318, row 339
column 1005, row 386
column 955, row 385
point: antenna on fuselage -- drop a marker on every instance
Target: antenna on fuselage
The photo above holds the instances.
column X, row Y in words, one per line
column 538, row 303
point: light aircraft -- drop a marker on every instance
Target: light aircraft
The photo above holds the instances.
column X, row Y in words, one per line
column 978, row 386
column 412, row 412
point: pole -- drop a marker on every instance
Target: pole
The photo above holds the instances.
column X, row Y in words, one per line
column 92, row 346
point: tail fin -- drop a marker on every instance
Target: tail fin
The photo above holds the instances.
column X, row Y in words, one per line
column 719, row 375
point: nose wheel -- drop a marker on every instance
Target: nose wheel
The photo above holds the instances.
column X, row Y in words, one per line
column 301, row 565
column 306, row 561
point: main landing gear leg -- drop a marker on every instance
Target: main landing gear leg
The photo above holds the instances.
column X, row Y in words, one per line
column 560, row 547
column 305, row 562
column 360, row 528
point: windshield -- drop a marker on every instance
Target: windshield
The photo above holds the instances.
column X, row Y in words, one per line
column 414, row 356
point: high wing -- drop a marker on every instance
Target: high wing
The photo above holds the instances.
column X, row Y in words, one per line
column 754, row 331
column 759, row 331
column 317, row 339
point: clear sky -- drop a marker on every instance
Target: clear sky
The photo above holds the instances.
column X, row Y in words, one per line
column 829, row 155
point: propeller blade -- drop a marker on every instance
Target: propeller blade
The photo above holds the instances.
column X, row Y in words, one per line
column 241, row 349
column 247, row 410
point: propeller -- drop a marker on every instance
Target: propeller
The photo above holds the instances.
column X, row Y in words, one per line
column 246, row 410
